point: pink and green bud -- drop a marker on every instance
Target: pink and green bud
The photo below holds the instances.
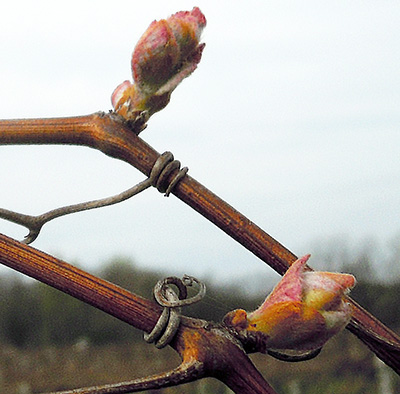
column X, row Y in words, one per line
column 167, row 52
column 302, row 312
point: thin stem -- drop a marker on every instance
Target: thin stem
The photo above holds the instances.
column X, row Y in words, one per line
column 35, row 223
column 185, row 373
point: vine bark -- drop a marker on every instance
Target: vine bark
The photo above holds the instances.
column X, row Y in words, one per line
column 113, row 136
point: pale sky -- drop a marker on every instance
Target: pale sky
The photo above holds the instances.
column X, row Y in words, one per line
column 293, row 117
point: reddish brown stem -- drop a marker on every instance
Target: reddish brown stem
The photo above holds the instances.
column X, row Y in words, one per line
column 113, row 137
column 114, row 300
column 207, row 350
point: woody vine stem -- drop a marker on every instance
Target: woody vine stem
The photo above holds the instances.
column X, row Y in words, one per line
column 168, row 52
column 114, row 137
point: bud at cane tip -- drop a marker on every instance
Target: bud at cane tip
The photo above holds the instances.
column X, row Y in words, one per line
column 167, row 52
column 302, row 312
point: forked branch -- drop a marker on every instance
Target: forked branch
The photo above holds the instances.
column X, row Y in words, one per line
column 35, row 223
column 163, row 165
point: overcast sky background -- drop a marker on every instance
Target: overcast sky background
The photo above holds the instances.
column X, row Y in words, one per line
column 293, row 117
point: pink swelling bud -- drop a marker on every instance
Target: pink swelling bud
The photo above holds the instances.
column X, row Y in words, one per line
column 302, row 312
column 167, row 52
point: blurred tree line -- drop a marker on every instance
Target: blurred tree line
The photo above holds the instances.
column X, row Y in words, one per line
column 33, row 314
